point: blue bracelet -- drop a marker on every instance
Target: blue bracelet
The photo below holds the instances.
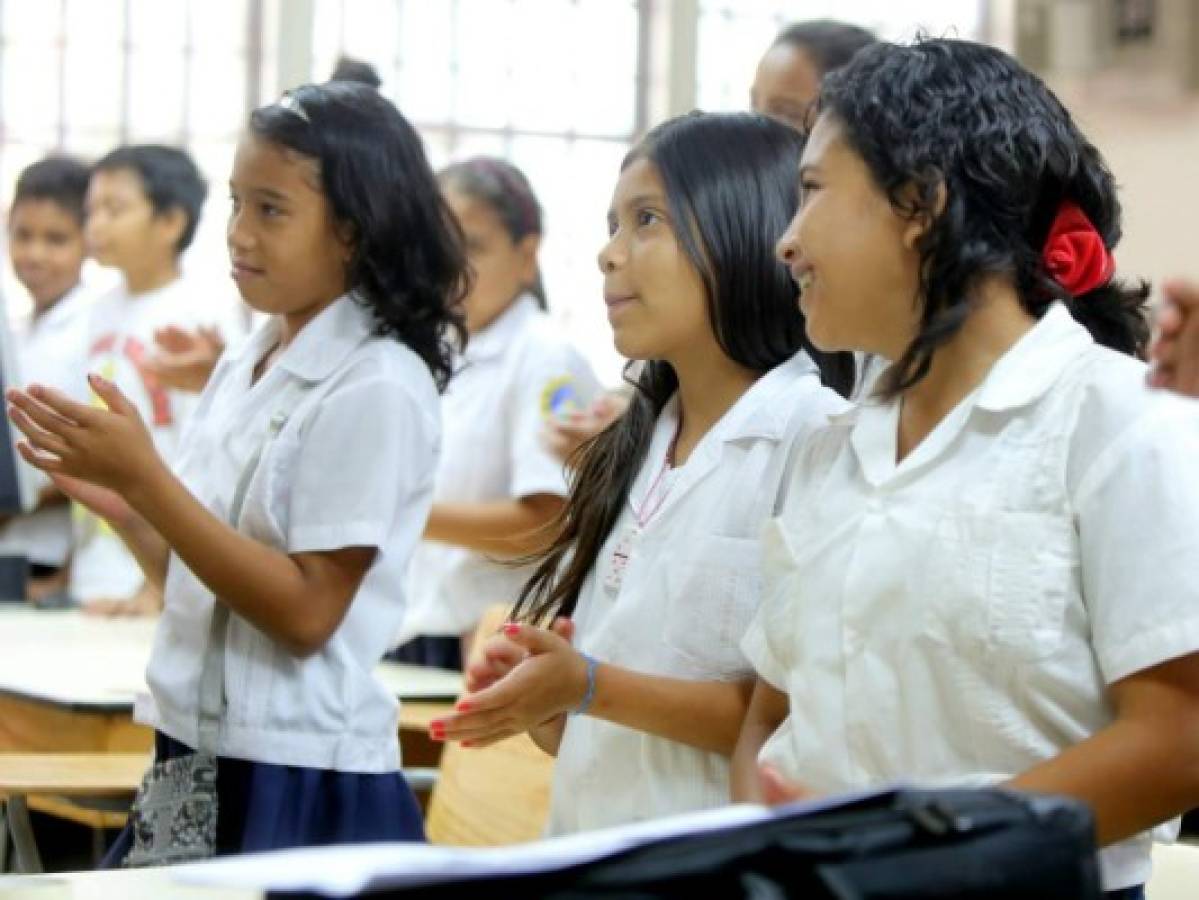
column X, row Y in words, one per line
column 589, row 695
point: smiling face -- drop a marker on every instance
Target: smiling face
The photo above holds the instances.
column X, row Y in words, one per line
column 852, row 254
column 288, row 254
column 655, row 297
column 45, row 242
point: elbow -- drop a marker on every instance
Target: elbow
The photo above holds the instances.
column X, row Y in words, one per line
column 306, row 636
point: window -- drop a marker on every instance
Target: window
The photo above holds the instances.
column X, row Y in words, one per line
column 83, row 76
column 549, row 84
column 733, row 35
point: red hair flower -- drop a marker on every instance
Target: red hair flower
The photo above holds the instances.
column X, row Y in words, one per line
column 1075, row 255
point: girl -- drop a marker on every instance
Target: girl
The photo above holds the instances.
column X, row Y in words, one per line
column 787, row 80
column 986, row 575
column 497, row 486
column 322, row 431
column 656, row 559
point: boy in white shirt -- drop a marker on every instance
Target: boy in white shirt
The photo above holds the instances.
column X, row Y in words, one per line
column 45, row 243
column 143, row 205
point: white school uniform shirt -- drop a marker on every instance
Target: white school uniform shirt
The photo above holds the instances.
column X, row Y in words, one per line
column 51, row 350
column 956, row 618
column 515, row 374
column 120, row 336
column 352, row 466
column 689, row 589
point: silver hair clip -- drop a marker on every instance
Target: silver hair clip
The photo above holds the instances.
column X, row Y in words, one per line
column 292, row 105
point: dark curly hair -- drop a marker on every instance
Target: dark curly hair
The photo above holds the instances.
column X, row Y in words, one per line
column 409, row 264
column 732, row 184
column 965, row 124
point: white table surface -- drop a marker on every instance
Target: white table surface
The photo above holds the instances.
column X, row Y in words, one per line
column 86, row 663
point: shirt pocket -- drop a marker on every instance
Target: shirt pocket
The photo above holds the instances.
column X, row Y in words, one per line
column 712, row 595
column 1001, row 582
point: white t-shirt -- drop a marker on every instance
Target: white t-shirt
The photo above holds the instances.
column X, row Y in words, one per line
column 957, row 618
column 690, row 585
column 120, row 335
column 515, row 374
column 351, row 467
column 52, row 350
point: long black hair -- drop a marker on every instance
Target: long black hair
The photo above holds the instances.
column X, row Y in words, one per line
column 731, row 183
column 965, row 124
column 507, row 193
column 409, row 263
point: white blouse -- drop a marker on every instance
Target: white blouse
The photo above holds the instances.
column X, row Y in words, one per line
column 958, row 616
column 352, row 466
column 675, row 600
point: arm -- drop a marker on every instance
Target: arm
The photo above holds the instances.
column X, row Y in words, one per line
column 1142, row 769
column 299, row 599
column 501, row 528
column 112, row 449
column 767, row 711
column 552, row 680
column 1174, row 351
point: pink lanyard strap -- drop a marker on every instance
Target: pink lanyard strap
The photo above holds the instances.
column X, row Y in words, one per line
column 646, row 512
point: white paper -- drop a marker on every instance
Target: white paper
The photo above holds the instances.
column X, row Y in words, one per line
column 344, row 871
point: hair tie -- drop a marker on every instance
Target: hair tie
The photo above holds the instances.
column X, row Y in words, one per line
column 1075, row 255
column 291, row 103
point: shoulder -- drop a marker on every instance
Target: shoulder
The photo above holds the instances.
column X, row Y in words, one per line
column 383, row 374
column 1118, row 414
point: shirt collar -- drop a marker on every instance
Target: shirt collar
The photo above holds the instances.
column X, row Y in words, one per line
column 70, row 303
column 764, row 410
column 321, row 346
column 493, row 340
column 1020, row 377
column 1023, row 374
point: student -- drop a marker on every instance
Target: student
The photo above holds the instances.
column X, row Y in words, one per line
column 787, row 80
column 143, row 206
column 498, row 488
column 327, row 417
column 656, row 559
column 785, row 85
column 45, row 243
column 986, row 574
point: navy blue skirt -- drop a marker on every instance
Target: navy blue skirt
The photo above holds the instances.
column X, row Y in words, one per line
column 436, row 651
column 266, row 807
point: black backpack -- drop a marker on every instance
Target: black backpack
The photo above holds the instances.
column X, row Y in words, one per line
column 967, row 844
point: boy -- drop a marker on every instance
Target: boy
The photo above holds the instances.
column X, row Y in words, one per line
column 143, row 206
column 45, row 243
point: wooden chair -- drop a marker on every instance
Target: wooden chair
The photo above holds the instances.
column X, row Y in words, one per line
column 493, row 796
column 91, row 788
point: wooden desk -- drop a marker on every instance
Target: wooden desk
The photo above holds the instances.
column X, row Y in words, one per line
column 68, row 682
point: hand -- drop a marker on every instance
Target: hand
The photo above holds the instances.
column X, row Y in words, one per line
column 498, row 656
column 110, row 448
column 563, row 437
column 104, row 503
column 1174, row 351
column 777, row 790
column 184, row 360
column 549, row 681
column 146, row 602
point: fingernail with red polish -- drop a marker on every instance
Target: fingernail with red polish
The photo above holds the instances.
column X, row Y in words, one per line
column 511, row 629
column 463, row 706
